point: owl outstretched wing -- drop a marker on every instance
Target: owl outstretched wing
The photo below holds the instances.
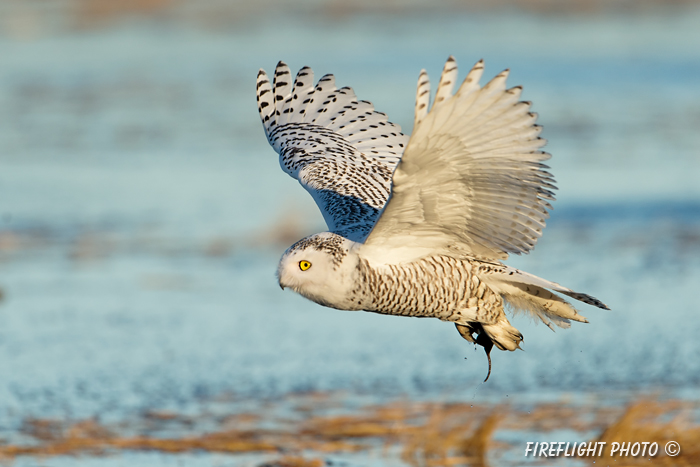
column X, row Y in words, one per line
column 338, row 147
column 471, row 179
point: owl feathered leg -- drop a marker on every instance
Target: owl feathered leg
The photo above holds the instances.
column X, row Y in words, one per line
column 501, row 334
column 467, row 331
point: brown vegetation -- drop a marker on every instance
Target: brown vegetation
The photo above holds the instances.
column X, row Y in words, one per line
column 642, row 421
column 423, row 434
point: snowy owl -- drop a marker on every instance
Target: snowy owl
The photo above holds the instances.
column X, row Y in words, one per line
column 419, row 226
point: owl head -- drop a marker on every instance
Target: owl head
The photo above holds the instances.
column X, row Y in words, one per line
column 321, row 268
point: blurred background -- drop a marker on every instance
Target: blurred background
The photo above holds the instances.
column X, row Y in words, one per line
column 142, row 212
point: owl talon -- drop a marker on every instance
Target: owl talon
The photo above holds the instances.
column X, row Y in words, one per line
column 488, row 357
column 484, row 341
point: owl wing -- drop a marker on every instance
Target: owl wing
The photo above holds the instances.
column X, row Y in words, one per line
column 339, row 148
column 471, row 179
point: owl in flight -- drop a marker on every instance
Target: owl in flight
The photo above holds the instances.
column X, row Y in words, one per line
column 419, row 226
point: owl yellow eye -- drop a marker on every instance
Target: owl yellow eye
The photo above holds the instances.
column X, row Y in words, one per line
column 304, row 265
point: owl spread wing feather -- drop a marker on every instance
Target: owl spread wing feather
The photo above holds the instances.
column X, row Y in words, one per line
column 340, row 149
column 471, row 179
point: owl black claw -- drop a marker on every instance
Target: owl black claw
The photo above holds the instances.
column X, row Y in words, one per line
column 484, row 341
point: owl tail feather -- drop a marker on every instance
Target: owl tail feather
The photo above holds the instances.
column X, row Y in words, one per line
column 528, row 293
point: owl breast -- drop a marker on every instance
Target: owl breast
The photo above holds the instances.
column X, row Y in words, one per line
column 437, row 287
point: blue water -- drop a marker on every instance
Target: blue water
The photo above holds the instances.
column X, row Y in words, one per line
column 142, row 213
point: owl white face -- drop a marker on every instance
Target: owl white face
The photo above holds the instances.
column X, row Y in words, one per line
column 319, row 268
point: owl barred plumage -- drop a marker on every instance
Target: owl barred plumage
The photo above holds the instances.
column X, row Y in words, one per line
column 338, row 147
column 435, row 286
column 419, row 227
